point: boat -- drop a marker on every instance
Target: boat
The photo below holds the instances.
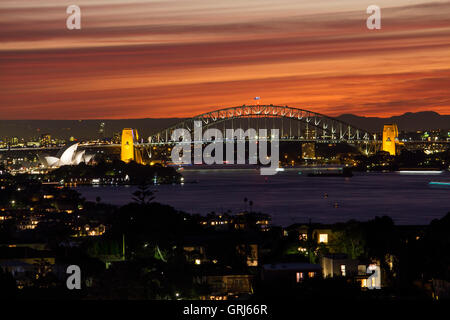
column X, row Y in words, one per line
column 420, row 171
column 440, row 184
column 344, row 172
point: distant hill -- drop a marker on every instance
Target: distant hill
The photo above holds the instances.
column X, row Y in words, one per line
column 409, row 121
column 87, row 129
column 80, row 129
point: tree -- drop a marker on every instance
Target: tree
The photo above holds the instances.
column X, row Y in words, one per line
column 143, row 195
column 44, row 276
column 350, row 240
column 381, row 237
column 8, row 287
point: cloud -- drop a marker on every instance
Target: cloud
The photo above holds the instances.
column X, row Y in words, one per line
column 172, row 58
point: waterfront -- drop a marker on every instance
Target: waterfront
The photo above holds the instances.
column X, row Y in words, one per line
column 289, row 197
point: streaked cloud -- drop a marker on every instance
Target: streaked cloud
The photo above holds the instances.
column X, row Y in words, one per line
column 178, row 58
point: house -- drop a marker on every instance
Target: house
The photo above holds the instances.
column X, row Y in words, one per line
column 320, row 233
column 222, row 248
column 290, row 272
column 223, row 283
column 195, row 253
column 368, row 274
column 250, row 252
column 339, row 265
column 25, row 263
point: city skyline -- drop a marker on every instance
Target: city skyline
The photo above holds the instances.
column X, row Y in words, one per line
column 152, row 59
column 237, row 157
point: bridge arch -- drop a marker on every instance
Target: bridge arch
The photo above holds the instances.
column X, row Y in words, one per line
column 309, row 125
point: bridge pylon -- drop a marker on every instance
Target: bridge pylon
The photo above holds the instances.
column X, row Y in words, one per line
column 128, row 150
column 390, row 138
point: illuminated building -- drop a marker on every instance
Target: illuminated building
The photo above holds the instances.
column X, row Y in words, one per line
column 101, row 130
column 46, row 140
column 91, row 231
column 195, row 253
column 67, row 156
column 323, row 238
column 14, row 141
column 390, row 137
column 309, row 150
column 289, row 272
column 339, row 265
column 116, row 137
column 225, row 286
column 249, row 252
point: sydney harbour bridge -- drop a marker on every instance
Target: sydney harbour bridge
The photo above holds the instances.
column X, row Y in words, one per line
column 257, row 123
column 294, row 124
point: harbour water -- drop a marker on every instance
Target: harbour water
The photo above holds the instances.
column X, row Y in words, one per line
column 290, row 197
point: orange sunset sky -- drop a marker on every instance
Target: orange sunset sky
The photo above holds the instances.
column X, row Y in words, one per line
column 179, row 58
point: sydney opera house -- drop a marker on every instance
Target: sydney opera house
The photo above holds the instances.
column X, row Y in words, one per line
column 67, row 156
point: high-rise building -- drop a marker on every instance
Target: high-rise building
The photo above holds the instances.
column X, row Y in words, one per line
column 116, row 137
column 14, row 141
column 390, row 137
column 101, row 130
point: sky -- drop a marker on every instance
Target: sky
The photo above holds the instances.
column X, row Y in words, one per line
column 180, row 58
